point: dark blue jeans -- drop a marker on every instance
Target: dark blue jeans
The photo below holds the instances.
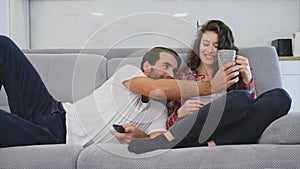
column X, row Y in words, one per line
column 232, row 119
column 36, row 117
column 266, row 108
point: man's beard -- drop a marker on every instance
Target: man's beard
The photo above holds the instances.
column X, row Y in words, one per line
column 155, row 75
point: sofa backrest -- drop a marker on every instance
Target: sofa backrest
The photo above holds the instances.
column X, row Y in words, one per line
column 116, row 63
column 70, row 77
column 265, row 68
column 263, row 62
column 107, row 53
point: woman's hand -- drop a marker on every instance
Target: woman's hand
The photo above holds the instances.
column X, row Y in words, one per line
column 244, row 68
column 130, row 132
column 189, row 107
column 225, row 77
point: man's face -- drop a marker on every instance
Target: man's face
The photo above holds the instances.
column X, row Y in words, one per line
column 163, row 68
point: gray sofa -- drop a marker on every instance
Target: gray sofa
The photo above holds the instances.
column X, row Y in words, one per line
column 70, row 74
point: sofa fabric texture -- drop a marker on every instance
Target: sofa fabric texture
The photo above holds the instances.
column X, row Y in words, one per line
column 285, row 130
column 40, row 156
column 71, row 74
column 232, row 156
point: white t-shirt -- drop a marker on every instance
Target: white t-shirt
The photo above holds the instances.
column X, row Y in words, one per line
column 90, row 119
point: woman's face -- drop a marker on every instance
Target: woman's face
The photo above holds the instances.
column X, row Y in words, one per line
column 208, row 49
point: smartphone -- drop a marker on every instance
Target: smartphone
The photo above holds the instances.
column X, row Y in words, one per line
column 119, row 128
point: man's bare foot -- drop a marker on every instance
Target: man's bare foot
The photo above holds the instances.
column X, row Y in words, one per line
column 211, row 143
column 169, row 136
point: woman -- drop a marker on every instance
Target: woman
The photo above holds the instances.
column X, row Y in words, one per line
column 235, row 118
column 202, row 66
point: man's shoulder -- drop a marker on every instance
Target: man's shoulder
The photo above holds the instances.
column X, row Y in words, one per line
column 128, row 68
column 127, row 72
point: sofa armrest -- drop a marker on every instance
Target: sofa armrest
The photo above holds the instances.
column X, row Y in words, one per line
column 285, row 130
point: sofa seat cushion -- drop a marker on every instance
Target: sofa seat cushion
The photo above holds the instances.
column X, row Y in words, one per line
column 285, row 130
column 41, row 156
column 5, row 108
column 115, row 156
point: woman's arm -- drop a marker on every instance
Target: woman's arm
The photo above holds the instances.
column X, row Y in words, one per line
column 250, row 88
column 245, row 71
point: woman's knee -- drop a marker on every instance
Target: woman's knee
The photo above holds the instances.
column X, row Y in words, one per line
column 283, row 94
column 278, row 98
column 278, row 95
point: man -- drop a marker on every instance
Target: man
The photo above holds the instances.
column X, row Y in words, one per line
column 37, row 118
column 91, row 118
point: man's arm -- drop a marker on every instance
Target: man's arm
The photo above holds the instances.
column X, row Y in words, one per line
column 178, row 89
column 167, row 88
column 132, row 132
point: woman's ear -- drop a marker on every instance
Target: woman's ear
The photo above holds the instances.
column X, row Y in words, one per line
column 146, row 67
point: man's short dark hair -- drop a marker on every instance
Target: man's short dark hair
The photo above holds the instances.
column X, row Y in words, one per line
column 154, row 55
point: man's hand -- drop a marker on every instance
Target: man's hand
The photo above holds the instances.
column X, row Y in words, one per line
column 130, row 132
column 225, row 77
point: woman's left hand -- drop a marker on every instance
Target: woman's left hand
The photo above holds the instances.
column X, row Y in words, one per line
column 244, row 68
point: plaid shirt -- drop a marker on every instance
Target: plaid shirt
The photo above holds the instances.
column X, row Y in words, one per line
column 174, row 105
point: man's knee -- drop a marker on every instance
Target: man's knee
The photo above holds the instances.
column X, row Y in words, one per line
column 4, row 40
column 7, row 46
column 5, row 43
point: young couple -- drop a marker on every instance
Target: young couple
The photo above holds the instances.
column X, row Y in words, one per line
column 131, row 97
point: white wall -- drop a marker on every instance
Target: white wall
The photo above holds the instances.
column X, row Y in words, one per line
column 144, row 23
column 14, row 21
column 4, row 17
column 19, row 22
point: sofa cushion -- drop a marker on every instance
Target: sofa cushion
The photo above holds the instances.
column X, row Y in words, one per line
column 115, row 156
column 107, row 53
column 3, row 98
column 135, row 52
column 116, row 63
column 5, row 108
column 68, row 77
column 285, row 130
column 58, row 156
column 260, row 60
